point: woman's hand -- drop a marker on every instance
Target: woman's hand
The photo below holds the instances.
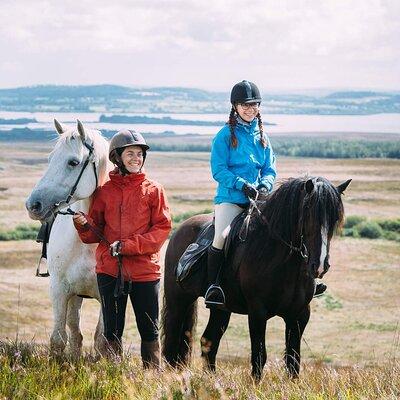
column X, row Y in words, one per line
column 79, row 218
column 250, row 191
column 115, row 248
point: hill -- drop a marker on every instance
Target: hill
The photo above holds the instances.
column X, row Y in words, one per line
column 120, row 99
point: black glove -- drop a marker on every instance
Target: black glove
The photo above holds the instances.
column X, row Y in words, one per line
column 250, row 191
column 262, row 190
column 115, row 248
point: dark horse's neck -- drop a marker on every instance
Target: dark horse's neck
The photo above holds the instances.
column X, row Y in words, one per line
column 285, row 213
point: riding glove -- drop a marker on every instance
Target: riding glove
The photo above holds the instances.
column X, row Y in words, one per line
column 115, row 248
column 250, row 191
column 262, row 189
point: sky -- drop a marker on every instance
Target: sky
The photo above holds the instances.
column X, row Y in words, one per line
column 282, row 45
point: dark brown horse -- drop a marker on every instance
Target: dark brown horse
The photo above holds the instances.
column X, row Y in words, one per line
column 271, row 273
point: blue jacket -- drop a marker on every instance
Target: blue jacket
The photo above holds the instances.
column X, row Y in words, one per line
column 249, row 162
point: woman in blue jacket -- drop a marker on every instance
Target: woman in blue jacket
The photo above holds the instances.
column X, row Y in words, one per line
column 243, row 164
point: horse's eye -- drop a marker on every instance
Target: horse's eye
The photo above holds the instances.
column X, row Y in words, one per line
column 73, row 163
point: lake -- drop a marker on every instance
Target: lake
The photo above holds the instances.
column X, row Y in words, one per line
column 284, row 123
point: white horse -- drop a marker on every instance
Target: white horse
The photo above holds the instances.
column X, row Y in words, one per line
column 71, row 264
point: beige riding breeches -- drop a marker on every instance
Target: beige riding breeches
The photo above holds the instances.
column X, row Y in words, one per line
column 224, row 215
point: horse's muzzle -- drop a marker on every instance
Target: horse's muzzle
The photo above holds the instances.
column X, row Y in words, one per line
column 37, row 211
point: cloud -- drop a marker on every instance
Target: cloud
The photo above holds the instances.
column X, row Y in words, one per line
column 234, row 35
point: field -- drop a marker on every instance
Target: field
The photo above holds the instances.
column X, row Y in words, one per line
column 353, row 329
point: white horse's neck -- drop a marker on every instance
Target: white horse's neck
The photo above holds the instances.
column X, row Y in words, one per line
column 82, row 205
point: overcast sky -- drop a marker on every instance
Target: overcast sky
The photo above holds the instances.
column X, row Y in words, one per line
column 282, row 45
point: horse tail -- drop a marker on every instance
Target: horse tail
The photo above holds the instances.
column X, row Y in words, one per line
column 178, row 322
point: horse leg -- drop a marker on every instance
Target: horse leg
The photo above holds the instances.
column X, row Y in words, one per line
column 58, row 338
column 178, row 320
column 100, row 341
column 73, row 318
column 294, row 331
column 216, row 327
column 257, row 326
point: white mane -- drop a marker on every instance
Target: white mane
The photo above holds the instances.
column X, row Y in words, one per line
column 71, row 139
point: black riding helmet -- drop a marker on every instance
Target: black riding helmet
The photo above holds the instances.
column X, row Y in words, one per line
column 245, row 92
column 124, row 139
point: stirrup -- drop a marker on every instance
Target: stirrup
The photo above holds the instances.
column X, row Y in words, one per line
column 211, row 303
column 322, row 290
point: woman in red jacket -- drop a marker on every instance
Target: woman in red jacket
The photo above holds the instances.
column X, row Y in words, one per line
column 132, row 213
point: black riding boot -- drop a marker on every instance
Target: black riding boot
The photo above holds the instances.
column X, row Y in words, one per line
column 320, row 289
column 215, row 295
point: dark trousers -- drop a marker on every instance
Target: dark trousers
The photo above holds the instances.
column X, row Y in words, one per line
column 144, row 299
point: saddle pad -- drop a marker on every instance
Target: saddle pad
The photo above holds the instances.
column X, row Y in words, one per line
column 194, row 252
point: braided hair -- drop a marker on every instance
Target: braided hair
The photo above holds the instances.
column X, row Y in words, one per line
column 232, row 123
column 260, row 127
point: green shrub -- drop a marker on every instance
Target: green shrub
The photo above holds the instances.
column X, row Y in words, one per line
column 392, row 236
column 392, row 225
column 369, row 229
column 353, row 220
column 350, row 232
column 20, row 232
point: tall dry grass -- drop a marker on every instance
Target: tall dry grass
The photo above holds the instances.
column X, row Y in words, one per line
column 27, row 371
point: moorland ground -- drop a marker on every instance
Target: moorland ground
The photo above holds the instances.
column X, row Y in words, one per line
column 356, row 322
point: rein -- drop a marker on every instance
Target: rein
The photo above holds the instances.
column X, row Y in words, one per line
column 302, row 248
column 120, row 286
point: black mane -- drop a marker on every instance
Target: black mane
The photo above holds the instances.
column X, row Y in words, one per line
column 287, row 208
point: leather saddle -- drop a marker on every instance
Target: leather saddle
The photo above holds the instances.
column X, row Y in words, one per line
column 191, row 258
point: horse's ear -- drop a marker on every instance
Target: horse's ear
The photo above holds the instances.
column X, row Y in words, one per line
column 343, row 186
column 59, row 128
column 81, row 130
column 309, row 186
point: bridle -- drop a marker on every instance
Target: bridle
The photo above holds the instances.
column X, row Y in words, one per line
column 66, row 203
column 85, row 164
column 301, row 249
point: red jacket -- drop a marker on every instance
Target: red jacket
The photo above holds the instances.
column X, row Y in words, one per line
column 134, row 210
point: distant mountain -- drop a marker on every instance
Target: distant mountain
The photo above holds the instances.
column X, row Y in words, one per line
column 121, row 99
column 17, row 121
column 142, row 119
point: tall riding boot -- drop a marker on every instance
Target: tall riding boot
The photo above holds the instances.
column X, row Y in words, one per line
column 215, row 295
column 150, row 352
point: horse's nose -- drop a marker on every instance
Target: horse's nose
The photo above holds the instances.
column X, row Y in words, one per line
column 35, row 207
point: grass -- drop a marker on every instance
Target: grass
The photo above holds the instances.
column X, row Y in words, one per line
column 27, row 371
column 352, row 335
column 20, row 232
